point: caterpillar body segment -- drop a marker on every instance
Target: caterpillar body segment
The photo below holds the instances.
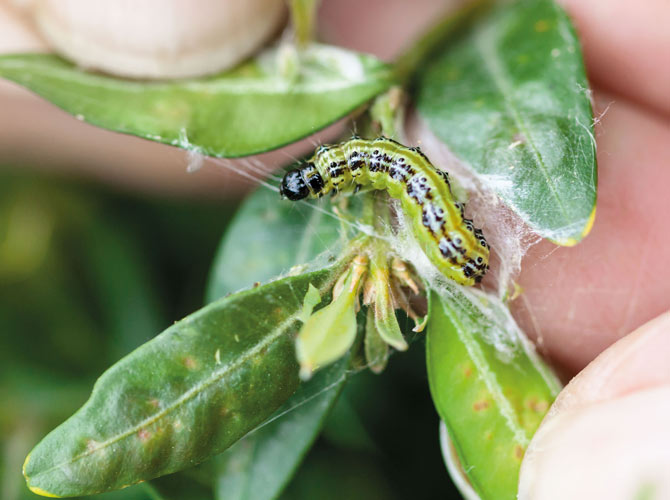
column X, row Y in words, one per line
column 449, row 240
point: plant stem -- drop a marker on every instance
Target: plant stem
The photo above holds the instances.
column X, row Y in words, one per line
column 369, row 209
column 388, row 111
column 382, row 210
column 303, row 14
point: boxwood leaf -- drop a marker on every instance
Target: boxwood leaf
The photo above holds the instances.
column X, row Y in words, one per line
column 510, row 98
column 250, row 109
column 376, row 349
column 183, row 397
column 191, row 484
column 268, row 237
column 488, row 385
column 260, row 465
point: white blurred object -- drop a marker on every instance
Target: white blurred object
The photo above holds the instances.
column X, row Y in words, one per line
column 157, row 38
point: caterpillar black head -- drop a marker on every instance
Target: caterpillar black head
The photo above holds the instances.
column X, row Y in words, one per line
column 293, row 185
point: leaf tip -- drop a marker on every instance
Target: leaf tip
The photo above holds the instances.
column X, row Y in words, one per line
column 306, row 371
column 589, row 223
column 312, row 298
column 25, row 465
column 571, row 242
column 35, row 489
column 39, row 491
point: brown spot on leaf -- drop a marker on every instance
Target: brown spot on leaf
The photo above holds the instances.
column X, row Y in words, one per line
column 481, row 405
column 143, row 434
column 467, row 371
column 190, row 363
column 538, row 406
column 153, row 402
column 541, row 26
column 518, row 451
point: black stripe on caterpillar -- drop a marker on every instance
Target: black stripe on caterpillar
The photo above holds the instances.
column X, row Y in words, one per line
column 449, row 240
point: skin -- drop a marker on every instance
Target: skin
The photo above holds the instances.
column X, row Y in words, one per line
column 607, row 435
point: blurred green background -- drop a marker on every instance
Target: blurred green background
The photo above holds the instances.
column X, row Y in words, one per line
column 88, row 273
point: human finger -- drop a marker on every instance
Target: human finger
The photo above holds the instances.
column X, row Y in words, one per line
column 626, row 47
column 157, row 38
column 606, row 436
column 33, row 133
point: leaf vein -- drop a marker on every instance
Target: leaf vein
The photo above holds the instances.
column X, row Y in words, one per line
column 484, row 41
column 279, row 331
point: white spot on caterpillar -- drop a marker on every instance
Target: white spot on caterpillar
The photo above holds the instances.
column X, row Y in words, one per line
column 417, row 188
column 433, row 217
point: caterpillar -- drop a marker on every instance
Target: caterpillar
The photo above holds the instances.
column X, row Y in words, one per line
column 449, row 240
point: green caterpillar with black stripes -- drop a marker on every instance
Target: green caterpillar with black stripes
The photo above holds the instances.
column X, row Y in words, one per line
column 449, row 240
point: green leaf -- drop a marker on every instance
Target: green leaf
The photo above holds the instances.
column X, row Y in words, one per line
column 453, row 463
column 191, row 484
column 510, row 98
column 259, row 466
column 248, row 110
column 328, row 333
column 312, row 299
column 376, row 349
column 269, row 236
column 488, row 385
column 181, row 398
column 386, row 322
